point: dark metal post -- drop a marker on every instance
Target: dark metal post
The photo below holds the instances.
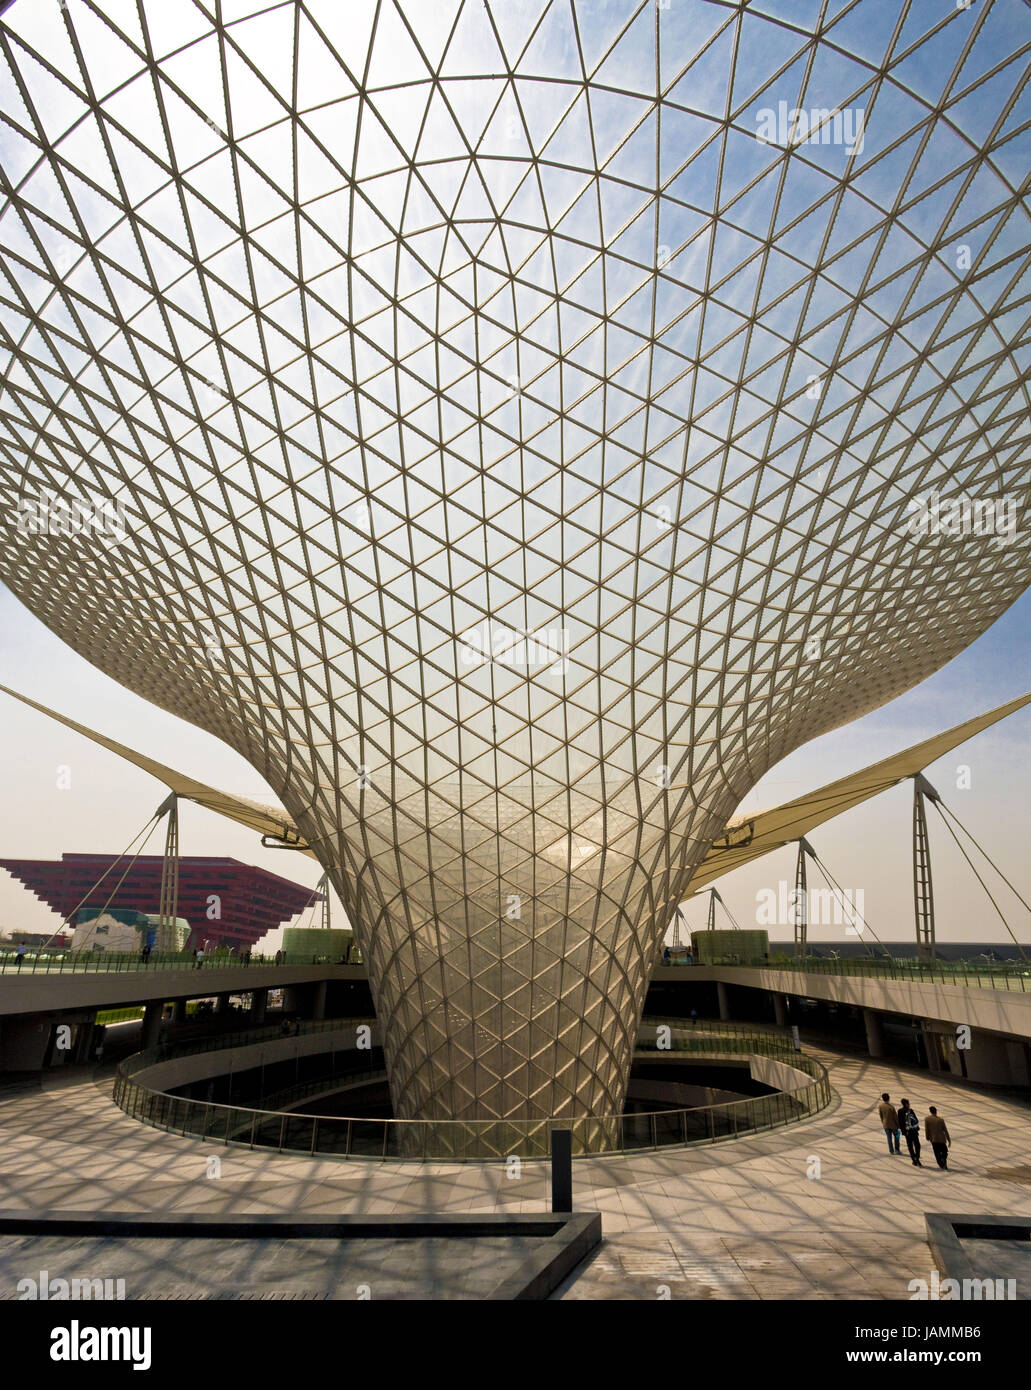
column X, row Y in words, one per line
column 801, row 909
column 562, row 1170
column 168, row 900
column 922, row 889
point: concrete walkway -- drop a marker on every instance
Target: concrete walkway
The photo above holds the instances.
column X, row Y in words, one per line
column 819, row 1210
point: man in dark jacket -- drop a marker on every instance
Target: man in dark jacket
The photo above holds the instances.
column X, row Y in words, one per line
column 936, row 1132
column 909, row 1123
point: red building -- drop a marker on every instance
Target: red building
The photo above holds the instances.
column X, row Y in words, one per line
column 224, row 901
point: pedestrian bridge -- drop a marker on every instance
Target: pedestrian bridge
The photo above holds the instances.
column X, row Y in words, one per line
column 992, row 1003
column 994, row 997
column 102, row 981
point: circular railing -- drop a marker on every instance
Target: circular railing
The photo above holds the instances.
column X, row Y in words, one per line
column 1014, row 975
column 468, row 1140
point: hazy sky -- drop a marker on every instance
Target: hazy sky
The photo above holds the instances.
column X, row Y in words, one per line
column 867, row 849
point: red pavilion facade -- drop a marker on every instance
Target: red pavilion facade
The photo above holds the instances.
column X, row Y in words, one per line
column 225, row 902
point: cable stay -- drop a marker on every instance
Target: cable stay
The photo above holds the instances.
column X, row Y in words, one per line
column 324, row 920
column 947, row 815
column 710, row 921
column 923, row 888
column 680, row 935
column 848, row 907
column 145, row 834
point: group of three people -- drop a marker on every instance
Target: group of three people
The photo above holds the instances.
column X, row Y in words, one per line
column 905, row 1121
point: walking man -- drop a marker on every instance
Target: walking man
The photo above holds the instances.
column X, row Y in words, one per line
column 909, row 1120
column 890, row 1122
column 936, row 1132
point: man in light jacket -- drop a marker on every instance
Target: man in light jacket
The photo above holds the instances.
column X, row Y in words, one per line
column 889, row 1122
column 936, row 1132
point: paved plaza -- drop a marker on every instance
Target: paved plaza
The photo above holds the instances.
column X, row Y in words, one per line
column 816, row 1211
column 278, row 1267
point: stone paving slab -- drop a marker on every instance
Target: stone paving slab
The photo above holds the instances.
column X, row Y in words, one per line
column 197, row 1268
column 67, row 1146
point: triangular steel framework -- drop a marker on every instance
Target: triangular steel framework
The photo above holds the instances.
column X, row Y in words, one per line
column 480, row 418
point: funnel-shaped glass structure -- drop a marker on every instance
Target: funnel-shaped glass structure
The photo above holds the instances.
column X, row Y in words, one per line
column 514, row 427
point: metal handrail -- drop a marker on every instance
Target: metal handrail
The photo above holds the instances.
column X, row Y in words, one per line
column 115, row 962
column 464, row 1140
column 1001, row 975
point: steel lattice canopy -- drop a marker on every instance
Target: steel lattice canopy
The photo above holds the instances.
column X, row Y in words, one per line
column 514, row 427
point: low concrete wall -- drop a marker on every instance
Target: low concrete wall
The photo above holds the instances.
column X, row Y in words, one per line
column 198, row 1066
column 681, row 1095
column 29, row 992
column 779, row 1075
